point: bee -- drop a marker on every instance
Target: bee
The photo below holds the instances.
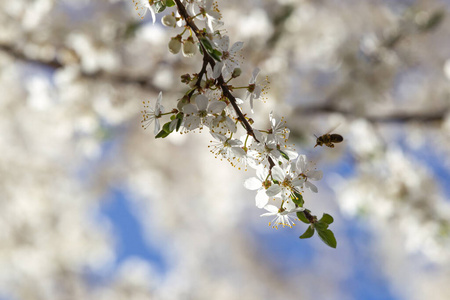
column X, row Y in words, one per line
column 328, row 139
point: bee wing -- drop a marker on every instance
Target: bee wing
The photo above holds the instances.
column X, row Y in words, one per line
column 333, row 129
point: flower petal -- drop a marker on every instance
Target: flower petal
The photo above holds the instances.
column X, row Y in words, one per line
column 236, row 47
column 261, row 199
column 252, row 183
column 289, row 205
column 218, row 136
column 157, row 127
column 254, row 75
column 202, row 102
column 278, row 174
column 315, row 175
column 273, row 190
column 238, row 151
column 216, row 107
column 217, row 70
column 311, row 186
column 190, row 109
column 301, row 164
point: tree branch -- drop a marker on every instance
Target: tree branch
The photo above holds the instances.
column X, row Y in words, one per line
column 226, row 91
column 55, row 65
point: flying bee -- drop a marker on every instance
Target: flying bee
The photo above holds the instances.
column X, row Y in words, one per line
column 328, row 139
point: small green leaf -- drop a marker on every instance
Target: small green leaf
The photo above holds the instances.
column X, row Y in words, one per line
column 284, row 155
column 170, row 3
column 159, row 7
column 301, row 216
column 172, row 117
column 207, row 44
column 326, row 218
column 166, row 127
column 327, row 236
column 320, row 225
column 162, row 134
column 308, row 233
column 216, row 54
column 180, row 116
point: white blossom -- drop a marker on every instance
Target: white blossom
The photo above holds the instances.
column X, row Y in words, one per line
column 153, row 114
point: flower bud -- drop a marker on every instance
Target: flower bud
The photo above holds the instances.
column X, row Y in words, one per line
column 169, row 21
column 189, row 48
column 236, row 72
column 175, row 45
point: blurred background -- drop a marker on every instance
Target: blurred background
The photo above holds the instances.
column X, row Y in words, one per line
column 93, row 207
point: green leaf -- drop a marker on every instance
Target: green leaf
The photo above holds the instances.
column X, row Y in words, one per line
column 284, row 155
column 162, row 134
column 180, row 116
column 216, row 54
column 207, row 44
column 327, row 236
column 308, row 233
column 170, row 3
column 166, row 127
column 301, row 216
column 159, row 7
column 320, row 225
column 326, row 218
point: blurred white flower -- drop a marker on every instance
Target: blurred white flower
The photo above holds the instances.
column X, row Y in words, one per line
column 152, row 114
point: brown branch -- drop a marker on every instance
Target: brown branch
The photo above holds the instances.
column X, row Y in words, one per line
column 206, row 58
column 55, row 65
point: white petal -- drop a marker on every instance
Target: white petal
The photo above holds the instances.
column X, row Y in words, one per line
column 216, row 107
column 202, row 102
column 301, row 164
column 252, row 183
column 158, row 100
column 261, row 199
column 190, row 109
column 311, row 186
column 298, row 183
column 192, row 122
column 289, row 205
column 217, row 70
column 238, row 152
column 262, row 172
column 278, row 174
column 273, row 190
column 208, row 4
column 290, row 153
column 272, row 208
column 315, row 175
column 269, row 214
column 254, row 75
column 259, row 135
column 236, row 47
column 223, row 43
column 257, row 91
column 213, row 15
column 218, row 136
column 152, row 11
column 231, row 125
column 157, row 127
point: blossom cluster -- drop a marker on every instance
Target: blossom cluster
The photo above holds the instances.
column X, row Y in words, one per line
column 209, row 104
